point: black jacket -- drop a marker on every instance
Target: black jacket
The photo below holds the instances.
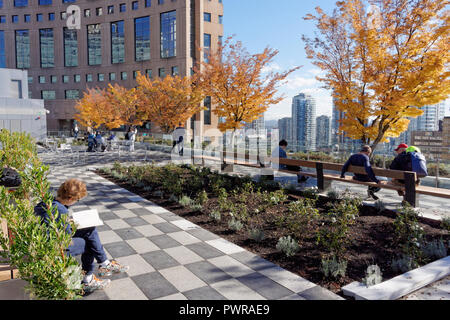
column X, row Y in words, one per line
column 402, row 162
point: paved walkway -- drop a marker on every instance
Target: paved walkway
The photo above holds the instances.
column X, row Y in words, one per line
column 171, row 258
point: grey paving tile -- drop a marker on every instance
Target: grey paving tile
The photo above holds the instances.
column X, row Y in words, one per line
column 154, row 285
column 203, row 234
column 251, row 260
column 129, row 234
column 107, row 215
column 136, row 221
column 319, row 293
column 159, row 259
column 140, row 211
column 203, row 293
column 208, row 272
column 104, row 227
column 164, row 241
column 265, row 286
column 119, row 249
column 166, row 227
column 204, row 250
column 96, row 295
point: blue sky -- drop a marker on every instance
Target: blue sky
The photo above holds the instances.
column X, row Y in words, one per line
column 279, row 24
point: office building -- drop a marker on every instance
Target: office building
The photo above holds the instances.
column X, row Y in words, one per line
column 323, row 132
column 304, row 123
column 285, row 130
column 109, row 43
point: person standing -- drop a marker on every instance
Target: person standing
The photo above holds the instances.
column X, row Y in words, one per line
column 132, row 137
column 178, row 139
column 361, row 159
column 75, row 131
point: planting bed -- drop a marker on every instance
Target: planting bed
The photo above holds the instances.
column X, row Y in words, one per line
column 370, row 238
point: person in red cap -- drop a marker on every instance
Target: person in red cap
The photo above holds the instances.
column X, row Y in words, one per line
column 401, row 162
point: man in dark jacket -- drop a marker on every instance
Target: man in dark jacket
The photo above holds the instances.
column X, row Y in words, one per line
column 401, row 162
column 361, row 159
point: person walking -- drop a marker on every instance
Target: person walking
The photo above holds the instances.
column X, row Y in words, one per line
column 361, row 159
column 75, row 131
column 132, row 132
column 85, row 242
column 178, row 139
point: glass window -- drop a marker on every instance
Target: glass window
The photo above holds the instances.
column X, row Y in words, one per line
column 206, row 46
column 123, row 75
column 68, row 1
column 2, row 19
column 160, row 1
column 99, row 11
column 63, row 15
column 175, row 71
column 207, row 16
column 65, row 79
column 76, row 78
column 48, row 94
column 15, row 19
column 20, row 3
column 45, row 2
column 162, row 72
column 94, row 44
column 47, row 48
column 122, row 7
column 221, row 19
column 168, row 34
column 41, row 79
column 87, row 12
column 110, row 9
column 100, row 77
column 70, row 47
column 51, row 16
column 148, row 72
column 148, row 3
column 39, row 17
column 1, row 3
column 135, row 5
column 2, row 50
column 72, row 94
column 22, row 49
column 53, row 79
column 89, row 78
column 30, row 80
column 112, row 76
column 117, row 42
column 27, row 18
column 142, row 38
column 135, row 73
column 207, row 112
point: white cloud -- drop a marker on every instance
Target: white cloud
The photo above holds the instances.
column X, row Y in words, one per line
column 271, row 68
column 298, row 83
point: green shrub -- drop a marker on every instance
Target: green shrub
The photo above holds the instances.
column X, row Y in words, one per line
column 404, row 263
column 215, row 215
column 288, row 246
column 445, row 223
column 409, row 234
column 185, row 201
column 300, row 216
column 434, row 250
column 235, row 225
column 333, row 268
column 256, row 234
column 202, row 197
column 373, row 276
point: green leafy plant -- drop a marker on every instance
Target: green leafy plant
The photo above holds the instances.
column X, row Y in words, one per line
column 256, row 234
column 333, row 267
column 311, row 193
column 288, row 246
column 215, row 215
column 445, row 223
column 300, row 216
column 185, row 201
column 202, row 197
column 434, row 250
column 404, row 263
column 373, row 276
column 235, row 225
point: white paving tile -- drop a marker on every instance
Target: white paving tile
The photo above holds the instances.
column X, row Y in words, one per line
column 225, row 246
column 185, row 225
column 231, row 266
column 183, row 237
column 183, row 255
column 157, row 210
column 109, row 237
column 287, row 279
column 149, row 230
column 124, row 289
column 182, row 279
column 131, row 205
column 153, row 218
column 123, row 214
column 232, row 289
column 142, row 245
column 137, row 265
column 117, row 224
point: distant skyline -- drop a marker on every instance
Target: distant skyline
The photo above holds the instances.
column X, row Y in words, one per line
column 280, row 25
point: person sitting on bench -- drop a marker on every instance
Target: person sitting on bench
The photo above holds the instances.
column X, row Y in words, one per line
column 361, row 159
column 281, row 154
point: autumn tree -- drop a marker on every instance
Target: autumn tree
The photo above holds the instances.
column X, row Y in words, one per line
column 236, row 82
column 383, row 61
column 169, row 101
column 113, row 107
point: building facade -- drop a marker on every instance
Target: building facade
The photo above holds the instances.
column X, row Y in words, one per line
column 285, row 130
column 323, row 132
column 446, row 138
column 304, row 123
column 104, row 41
column 17, row 112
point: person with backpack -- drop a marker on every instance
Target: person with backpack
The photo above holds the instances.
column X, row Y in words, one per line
column 408, row 159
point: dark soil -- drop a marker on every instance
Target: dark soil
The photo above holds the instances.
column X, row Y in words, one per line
column 371, row 238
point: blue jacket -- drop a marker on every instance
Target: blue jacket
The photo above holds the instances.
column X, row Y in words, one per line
column 281, row 154
column 41, row 211
column 360, row 160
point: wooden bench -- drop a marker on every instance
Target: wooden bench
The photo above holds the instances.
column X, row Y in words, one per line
column 411, row 190
column 7, row 272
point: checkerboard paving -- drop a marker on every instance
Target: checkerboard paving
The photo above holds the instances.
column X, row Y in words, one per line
column 172, row 258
